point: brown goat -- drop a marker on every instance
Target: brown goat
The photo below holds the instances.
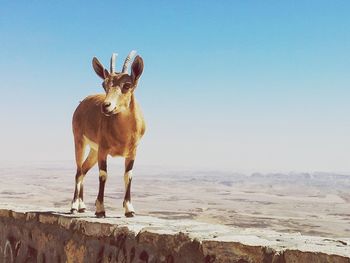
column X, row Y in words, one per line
column 111, row 124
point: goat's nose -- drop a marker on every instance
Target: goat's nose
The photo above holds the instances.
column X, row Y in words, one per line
column 106, row 105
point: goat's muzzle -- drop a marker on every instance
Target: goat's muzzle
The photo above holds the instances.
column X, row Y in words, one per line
column 105, row 108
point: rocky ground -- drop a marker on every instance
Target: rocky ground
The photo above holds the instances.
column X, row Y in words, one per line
column 316, row 204
column 27, row 236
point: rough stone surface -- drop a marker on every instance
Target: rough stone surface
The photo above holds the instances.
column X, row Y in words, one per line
column 34, row 236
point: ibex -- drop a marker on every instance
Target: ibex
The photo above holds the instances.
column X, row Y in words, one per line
column 111, row 124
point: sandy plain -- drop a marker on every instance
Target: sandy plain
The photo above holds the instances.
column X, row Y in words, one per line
column 308, row 203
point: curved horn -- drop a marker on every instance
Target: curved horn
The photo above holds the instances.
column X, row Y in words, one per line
column 128, row 60
column 112, row 64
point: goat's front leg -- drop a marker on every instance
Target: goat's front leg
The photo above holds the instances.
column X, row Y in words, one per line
column 102, row 166
column 129, row 209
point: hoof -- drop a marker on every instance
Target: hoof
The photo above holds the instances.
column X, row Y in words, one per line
column 81, row 210
column 100, row 214
column 73, row 211
column 130, row 214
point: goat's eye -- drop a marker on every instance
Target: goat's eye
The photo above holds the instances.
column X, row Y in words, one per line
column 127, row 86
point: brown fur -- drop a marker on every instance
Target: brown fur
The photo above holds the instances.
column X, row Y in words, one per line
column 117, row 135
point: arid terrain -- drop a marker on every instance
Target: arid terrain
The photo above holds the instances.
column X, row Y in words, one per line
column 309, row 203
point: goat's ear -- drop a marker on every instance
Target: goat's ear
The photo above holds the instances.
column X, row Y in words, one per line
column 136, row 68
column 99, row 69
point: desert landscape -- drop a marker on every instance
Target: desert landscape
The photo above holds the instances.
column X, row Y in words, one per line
column 307, row 203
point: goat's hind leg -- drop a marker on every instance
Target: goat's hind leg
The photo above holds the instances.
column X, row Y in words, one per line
column 79, row 155
column 90, row 161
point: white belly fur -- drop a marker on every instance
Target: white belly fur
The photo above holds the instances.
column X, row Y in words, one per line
column 92, row 144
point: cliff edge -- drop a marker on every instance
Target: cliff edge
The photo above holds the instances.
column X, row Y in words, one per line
column 53, row 236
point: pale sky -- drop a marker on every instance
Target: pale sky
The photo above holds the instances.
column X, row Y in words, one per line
column 234, row 85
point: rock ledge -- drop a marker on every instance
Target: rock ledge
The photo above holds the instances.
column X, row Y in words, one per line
column 41, row 236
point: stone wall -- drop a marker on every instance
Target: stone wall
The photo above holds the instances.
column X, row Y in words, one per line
column 52, row 237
